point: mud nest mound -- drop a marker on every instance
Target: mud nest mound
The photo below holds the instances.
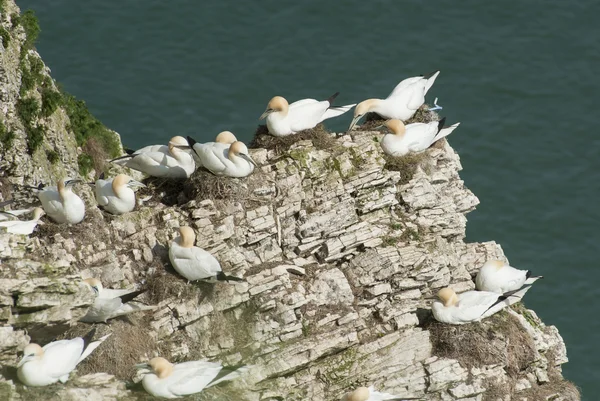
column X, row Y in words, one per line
column 498, row 339
column 320, row 137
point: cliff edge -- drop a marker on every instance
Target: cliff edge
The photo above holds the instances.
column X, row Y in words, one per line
column 340, row 248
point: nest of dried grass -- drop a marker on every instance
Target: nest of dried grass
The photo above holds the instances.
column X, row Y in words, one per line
column 422, row 115
column 320, row 137
column 95, row 150
column 163, row 285
column 498, row 339
column 407, row 165
column 205, row 185
column 167, row 190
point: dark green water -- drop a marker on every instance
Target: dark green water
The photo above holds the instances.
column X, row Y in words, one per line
column 518, row 75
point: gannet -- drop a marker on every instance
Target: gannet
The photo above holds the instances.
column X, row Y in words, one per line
column 192, row 262
column 413, row 137
column 369, row 394
column 24, row 227
column 47, row 365
column 286, row 119
column 212, row 153
column 231, row 162
column 116, row 195
column 169, row 380
column 111, row 303
column 61, row 204
column 401, row 104
column 497, row 276
column 12, row 214
column 161, row 161
column 472, row 306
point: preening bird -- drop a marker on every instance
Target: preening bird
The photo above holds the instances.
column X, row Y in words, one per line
column 170, row 161
column 415, row 137
column 401, row 104
column 497, row 276
column 472, row 306
column 111, row 303
column 212, row 153
column 116, row 195
column 61, row 203
column 192, row 262
column 44, row 366
column 233, row 161
column 168, row 380
column 286, row 119
column 24, row 227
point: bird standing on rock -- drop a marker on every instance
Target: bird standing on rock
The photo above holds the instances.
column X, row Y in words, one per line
column 497, row 276
column 61, row 203
column 402, row 103
column 287, row 119
column 116, row 195
column 44, row 366
column 170, row 161
column 415, row 137
column 192, row 262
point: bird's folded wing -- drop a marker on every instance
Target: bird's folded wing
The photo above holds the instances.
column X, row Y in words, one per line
column 192, row 380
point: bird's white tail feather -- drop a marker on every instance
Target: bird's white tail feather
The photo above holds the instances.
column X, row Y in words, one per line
column 531, row 280
column 445, row 132
column 336, row 111
column 233, row 375
column 431, row 81
column 131, row 307
column 93, row 345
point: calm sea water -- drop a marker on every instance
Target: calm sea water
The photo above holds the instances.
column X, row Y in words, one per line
column 518, row 76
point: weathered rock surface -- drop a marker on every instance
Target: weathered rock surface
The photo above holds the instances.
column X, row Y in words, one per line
column 339, row 254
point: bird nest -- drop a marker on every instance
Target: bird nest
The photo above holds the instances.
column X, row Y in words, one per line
column 374, row 120
column 320, row 137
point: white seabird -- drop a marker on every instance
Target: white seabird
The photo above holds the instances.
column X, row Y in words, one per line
column 24, row 227
column 192, row 262
column 401, row 104
column 116, row 195
column 111, row 303
column 472, row 306
column 212, row 153
column 497, row 276
column 286, row 119
column 233, row 161
column 62, row 204
column 47, row 365
column 369, row 394
column 169, row 380
column 161, row 161
column 415, row 137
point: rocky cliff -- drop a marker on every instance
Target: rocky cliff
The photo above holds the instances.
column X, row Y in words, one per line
column 341, row 250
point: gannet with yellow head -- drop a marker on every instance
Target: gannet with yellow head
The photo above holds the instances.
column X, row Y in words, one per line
column 61, row 203
column 210, row 154
column 401, row 104
column 164, row 379
column 24, row 227
column 230, row 161
column 472, row 306
column 287, row 119
column 116, row 195
column 414, row 138
column 192, row 262
column 44, row 366
column 499, row 277
column 171, row 161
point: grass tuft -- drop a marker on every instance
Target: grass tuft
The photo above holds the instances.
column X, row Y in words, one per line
column 32, row 29
column 320, row 137
column 7, row 136
column 52, row 156
column 51, row 99
column 407, row 165
column 4, row 37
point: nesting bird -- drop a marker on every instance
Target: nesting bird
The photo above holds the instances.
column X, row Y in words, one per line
column 170, row 161
column 212, row 153
column 111, row 303
column 192, row 262
column 472, row 306
column 169, row 380
column 369, row 394
column 116, row 195
column 415, row 137
column 61, row 203
column 286, row 119
column 229, row 161
column 24, row 227
column 401, row 104
column 44, row 366
column 497, row 276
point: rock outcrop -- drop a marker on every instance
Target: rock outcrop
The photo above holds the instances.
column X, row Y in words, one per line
column 340, row 248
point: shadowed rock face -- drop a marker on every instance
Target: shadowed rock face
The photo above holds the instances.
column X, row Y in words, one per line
column 338, row 253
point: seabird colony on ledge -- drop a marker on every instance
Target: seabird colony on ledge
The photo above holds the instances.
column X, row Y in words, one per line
column 498, row 284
